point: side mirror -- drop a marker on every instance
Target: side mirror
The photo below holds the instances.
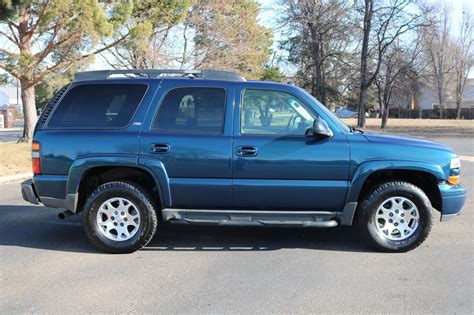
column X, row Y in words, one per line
column 321, row 129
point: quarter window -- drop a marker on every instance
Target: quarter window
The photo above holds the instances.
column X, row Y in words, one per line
column 98, row 106
column 192, row 109
column 274, row 113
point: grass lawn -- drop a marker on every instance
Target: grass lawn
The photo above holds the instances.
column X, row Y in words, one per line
column 15, row 158
column 423, row 127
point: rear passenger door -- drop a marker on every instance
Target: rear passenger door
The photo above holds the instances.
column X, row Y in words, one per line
column 189, row 130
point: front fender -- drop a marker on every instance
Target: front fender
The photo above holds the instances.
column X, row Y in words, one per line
column 365, row 169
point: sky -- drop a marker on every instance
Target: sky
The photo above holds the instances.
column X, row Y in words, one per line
column 268, row 15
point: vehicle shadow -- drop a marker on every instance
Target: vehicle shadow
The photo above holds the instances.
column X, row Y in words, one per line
column 40, row 228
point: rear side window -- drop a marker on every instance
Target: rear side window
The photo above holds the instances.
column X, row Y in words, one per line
column 192, row 109
column 98, row 106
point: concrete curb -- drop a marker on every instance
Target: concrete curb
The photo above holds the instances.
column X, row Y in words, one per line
column 11, row 129
column 12, row 178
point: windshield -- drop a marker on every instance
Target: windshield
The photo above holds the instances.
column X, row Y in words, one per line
column 330, row 114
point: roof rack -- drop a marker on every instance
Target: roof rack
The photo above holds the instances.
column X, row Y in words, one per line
column 155, row 73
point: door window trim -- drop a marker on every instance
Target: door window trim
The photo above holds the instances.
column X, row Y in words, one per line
column 241, row 106
column 187, row 132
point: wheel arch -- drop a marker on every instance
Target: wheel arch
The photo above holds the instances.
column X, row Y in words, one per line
column 426, row 176
column 87, row 174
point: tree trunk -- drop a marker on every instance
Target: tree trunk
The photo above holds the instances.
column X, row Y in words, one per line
column 384, row 116
column 441, row 98
column 29, row 110
column 27, row 89
column 362, row 102
column 379, row 98
column 458, row 109
column 364, row 86
column 318, row 84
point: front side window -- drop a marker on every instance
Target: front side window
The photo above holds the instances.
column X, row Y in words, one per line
column 274, row 113
column 192, row 109
column 98, row 106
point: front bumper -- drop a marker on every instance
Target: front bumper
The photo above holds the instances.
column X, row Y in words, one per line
column 452, row 198
column 28, row 192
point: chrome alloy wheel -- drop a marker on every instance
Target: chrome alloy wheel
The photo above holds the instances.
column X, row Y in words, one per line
column 118, row 219
column 397, row 218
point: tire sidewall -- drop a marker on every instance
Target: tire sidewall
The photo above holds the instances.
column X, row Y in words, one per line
column 99, row 198
column 424, row 224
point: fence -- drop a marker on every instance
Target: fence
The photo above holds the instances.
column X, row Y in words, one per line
column 448, row 113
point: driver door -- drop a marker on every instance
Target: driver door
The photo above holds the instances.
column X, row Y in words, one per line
column 275, row 165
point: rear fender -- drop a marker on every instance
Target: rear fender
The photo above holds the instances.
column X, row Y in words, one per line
column 80, row 166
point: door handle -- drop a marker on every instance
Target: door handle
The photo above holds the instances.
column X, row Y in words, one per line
column 159, row 148
column 246, row 151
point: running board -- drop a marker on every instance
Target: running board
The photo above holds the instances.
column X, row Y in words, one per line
column 316, row 219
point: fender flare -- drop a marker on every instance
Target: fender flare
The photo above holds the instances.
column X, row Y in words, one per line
column 365, row 169
column 80, row 166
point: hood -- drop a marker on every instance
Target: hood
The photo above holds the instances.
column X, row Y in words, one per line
column 396, row 140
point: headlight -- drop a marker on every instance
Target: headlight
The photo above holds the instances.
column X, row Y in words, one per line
column 456, row 163
column 454, row 171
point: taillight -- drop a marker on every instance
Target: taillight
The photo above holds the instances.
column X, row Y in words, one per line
column 35, row 157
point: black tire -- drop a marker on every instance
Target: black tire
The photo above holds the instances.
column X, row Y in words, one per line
column 144, row 204
column 367, row 214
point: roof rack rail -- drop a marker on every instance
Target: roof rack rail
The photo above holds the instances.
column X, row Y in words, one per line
column 155, row 73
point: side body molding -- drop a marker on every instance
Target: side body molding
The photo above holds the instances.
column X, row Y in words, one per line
column 365, row 169
column 82, row 165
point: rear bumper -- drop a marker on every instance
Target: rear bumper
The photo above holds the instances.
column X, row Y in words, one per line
column 453, row 198
column 28, row 192
column 31, row 194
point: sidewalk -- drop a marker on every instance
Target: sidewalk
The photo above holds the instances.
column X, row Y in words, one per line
column 14, row 178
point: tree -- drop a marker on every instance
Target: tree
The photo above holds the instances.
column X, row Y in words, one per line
column 383, row 24
column 149, row 27
column 3, row 79
column 272, row 73
column 226, row 36
column 46, row 89
column 397, row 68
column 438, row 44
column 48, row 36
column 316, row 39
column 464, row 57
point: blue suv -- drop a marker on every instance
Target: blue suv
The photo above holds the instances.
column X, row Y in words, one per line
column 131, row 148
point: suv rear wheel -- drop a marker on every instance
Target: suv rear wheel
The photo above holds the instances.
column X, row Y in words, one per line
column 119, row 217
column 396, row 217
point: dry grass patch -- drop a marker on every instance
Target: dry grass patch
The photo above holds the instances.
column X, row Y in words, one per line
column 423, row 126
column 15, row 158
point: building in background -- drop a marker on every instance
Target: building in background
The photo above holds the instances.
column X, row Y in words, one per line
column 12, row 92
column 427, row 97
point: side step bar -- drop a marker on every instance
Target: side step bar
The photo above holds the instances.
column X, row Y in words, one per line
column 316, row 219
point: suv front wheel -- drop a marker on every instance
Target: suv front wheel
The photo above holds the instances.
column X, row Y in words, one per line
column 396, row 217
column 119, row 217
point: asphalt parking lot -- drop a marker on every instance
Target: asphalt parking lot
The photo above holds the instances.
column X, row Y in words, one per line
column 47, row 265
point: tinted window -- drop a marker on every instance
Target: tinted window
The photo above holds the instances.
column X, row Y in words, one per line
column 192, row 109
column 98, row 106
column 274, row 112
